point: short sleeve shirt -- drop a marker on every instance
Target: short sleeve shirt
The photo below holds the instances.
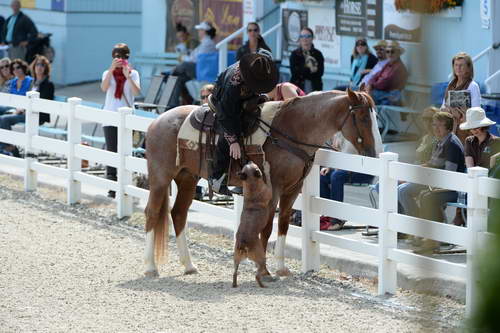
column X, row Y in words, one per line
column 112, row 103
column 481, row 152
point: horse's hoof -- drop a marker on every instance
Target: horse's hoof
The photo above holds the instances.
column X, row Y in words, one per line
column 283, row 272
column 191, row 270
column 151, row 274
column 269, row 278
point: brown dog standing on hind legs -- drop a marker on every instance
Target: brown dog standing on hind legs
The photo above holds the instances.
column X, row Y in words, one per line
column 257, row 194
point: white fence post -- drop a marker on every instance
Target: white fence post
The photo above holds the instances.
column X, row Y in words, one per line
column 74, row 190
column 238, row 208
column 310, row 221
column 31, row 129
column 388, row 203
column 124, row 206
column 477, row 221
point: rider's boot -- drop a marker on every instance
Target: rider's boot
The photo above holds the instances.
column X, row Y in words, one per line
column 220, row 185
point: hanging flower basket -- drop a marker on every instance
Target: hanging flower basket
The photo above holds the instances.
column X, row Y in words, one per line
column 427, row 6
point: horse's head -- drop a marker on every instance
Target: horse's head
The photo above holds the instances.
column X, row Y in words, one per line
column 356, row 126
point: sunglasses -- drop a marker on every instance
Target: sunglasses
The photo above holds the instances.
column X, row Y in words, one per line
column 305, row 36
column 381, row 49
column 204, row 96
column 4, row 67
column 117, row 56
column 253, row 30
column 360, row 44
column 40, row 64
column 390, row 51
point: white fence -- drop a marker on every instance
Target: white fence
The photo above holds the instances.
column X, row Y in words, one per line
column 476, row 183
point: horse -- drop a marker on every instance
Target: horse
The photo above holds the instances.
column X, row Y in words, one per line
column 302, row 124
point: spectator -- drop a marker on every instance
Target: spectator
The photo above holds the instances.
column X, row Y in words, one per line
column 463, row 79
column 255, row 41
column 482, row 147
column 5, row 75
column 429, row 140
column 121, row 84
column 448, row 154
column 186, row 70
column 19, row 85
column 332, row 181
column 362, row 62
column 186, row 43
column 284, row 91
column 40, row 67
column 17, row 32
column 307, row 64
column 381, row 61
column 386, row 86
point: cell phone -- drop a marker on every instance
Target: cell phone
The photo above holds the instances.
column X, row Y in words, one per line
column 124, row 62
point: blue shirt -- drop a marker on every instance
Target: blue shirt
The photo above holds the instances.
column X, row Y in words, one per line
column 10, row 28
column 25, row 86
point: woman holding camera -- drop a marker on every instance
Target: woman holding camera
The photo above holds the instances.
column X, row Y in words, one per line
column 121, row 84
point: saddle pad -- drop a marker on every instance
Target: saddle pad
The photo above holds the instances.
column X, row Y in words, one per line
column 189, row 133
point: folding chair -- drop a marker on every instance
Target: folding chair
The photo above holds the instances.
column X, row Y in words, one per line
column 54, row 129
column 162, row 100
column 152, row 95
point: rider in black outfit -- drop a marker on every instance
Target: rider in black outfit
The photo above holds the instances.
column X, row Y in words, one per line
column 242, row 82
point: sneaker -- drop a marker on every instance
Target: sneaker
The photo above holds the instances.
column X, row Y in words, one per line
column 224, row 190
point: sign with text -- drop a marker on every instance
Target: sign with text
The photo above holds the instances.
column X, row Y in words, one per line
column 321, row 21
column 359, row 18
column 180, row 11
column 401, row 26
column 225, row 15
column 293, row 21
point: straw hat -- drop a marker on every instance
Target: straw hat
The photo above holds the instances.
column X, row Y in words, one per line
column 380, row 43
column 476, row 118
column 259, row 72
column 395, row 45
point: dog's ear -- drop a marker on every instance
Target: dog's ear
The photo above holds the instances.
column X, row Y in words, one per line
column 242, row 175
column 257, row 173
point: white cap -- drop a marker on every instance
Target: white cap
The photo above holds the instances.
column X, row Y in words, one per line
column 203, row 26
column 476, row 118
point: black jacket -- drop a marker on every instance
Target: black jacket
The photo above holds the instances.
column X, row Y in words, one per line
column 300, row 72
column 245, row 48
column 24, row 30
column 228, row 97
column 46, row 90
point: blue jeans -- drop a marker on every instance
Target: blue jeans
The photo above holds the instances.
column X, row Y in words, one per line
column 4, row 109
column 7, row 120
column 331, row 185
column 382, row 97
column 407, row 198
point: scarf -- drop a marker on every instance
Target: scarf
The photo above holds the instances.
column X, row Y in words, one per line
column 120, row 82
column 357, row 67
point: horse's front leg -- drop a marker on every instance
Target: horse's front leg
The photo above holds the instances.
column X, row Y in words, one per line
column 286, row 203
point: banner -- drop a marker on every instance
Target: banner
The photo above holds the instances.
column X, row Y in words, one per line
column 293, row 21
column 359, row 18
column 28, row 3
column 401, row 26
column 322, row 22
column 226, row 16
column 180, row 11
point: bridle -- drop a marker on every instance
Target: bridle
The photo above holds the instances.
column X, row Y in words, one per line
column 352, row 109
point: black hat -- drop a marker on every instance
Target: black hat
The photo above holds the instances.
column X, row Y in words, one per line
column 259, row 72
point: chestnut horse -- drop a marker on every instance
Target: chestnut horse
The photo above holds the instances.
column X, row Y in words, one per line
column 311, row 119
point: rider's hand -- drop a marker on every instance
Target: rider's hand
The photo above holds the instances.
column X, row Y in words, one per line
column 234, row 150
column 324, row 171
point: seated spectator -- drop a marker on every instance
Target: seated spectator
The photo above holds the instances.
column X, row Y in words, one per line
column 429, row 140
column 463, row 79
column 121, row 84
column 448, row 154
column 186, row 43
column 481, row 148
column 381, row 61
column 386, row 86
column 307, row 64
column 186, row 70
column 5, row 77
column 255, row 41
column 40, row 67
column 284, row 91
column 332, row 181
column 362, row 62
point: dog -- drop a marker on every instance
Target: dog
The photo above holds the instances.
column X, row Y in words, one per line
column 257, row 194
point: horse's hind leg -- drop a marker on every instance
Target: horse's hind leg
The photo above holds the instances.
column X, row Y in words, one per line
column 186, row 185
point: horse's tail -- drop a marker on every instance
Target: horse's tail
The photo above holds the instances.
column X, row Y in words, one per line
column 160, row 227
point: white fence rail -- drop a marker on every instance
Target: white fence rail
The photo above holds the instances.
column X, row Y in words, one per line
column 386, row 218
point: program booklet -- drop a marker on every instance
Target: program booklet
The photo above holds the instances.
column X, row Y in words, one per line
column 459, row 99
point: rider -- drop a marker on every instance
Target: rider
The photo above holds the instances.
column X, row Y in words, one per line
column 239, row 86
